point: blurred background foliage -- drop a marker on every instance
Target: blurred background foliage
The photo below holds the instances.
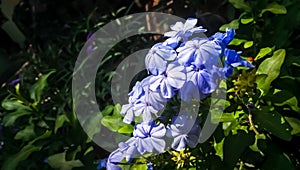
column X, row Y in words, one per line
column 40, row 41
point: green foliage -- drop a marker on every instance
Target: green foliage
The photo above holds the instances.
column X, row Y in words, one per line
column 269, row 70
column 58, row 161
column 7, row 8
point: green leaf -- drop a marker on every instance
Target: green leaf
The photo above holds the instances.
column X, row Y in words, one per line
column 283, row 97
column 26, row 134
column 45, row 135
column 237, row 41
column 241, row 4
column 114, row 123
column 126, row 129
column 117, row 109
column 254, row 147
column 107, row 110
column 90, row 149
column 58, row 161
column 10, row 118
column 139, row 167
column 37, row 89
column 12, row 162
column 294, row 123
column 59, row 122
column 275, row 8
column 269, row 70
column 233, row 24
column 273, row 122
column 92, row 125
column 246, row 20
column 12, row 104
column 248, row 44
column 8, row 7
column 219, row 148
column 277, row 162
column 263, row 52
column 14, row 32
column 227, row 117
column 234, row 146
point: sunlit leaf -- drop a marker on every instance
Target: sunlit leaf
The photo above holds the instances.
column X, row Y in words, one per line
column 269, row 70
column 126, row 129
column 263, row 52
column 237, row 41
column 254, row 147
column 248, row 44
column 219, row 148
column 233, row 24
column 246, row 20
column 114, row 123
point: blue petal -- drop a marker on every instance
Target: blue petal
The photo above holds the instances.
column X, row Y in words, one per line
column 177, row 27
column 111, row 166
column 179, row 142
column 200, row 52
column 224, row 39
column 130, row 153
column 158, row 131
column 190, row 23
column 158, row 144
column 234, row 59
column 176, row 75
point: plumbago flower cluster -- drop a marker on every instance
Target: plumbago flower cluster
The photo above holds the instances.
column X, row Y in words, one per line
column 183, row 66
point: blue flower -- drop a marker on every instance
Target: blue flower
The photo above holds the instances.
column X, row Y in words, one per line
column 128, row 111
column 157, row 58
column 145, row 109
column 183, row 31
column 185, row 131
column 150, row 103
column 149, row 166
column 149, row 137
column 172, row 42
column 126, row 150
column 224, row 38
column 232, row 58
column 143, row 101
column 173, row 78
column 202, row 78
column 190, row 91
column 102, row 164
column 199, row 52
column 14, row 82
column 114, row 159
column 222, row 72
